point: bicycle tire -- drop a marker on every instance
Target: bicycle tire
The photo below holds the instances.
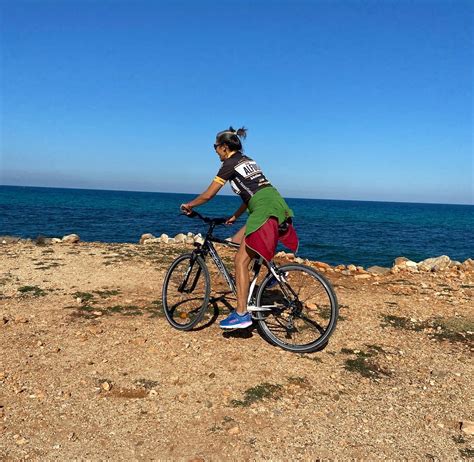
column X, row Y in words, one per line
column 320, row 305
column 183, row 312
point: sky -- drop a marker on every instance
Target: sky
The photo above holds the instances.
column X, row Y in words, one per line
column 355, row 100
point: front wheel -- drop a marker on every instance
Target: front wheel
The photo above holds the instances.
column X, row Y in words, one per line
column 301, row 312
column 186, row 291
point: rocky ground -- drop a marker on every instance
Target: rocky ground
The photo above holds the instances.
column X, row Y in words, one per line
column 91, row 370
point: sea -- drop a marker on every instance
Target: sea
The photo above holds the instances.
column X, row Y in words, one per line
column 333, row 231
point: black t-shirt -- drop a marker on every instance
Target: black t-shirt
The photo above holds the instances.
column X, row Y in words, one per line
column 245, row 176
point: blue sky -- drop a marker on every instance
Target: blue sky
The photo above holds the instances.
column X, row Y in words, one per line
column 363, row 100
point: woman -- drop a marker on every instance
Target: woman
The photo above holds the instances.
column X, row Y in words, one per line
column 269, row 217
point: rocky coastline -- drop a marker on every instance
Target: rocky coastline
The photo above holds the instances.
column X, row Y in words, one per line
column 91, row 370
column 442, row 263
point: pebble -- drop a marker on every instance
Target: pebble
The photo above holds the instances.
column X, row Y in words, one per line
column 106, row 386
column 467, row 427
column 234, row 430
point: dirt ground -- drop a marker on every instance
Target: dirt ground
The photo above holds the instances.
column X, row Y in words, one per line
column 91, row 370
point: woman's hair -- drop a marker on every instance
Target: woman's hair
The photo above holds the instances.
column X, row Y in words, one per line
column 232, row 137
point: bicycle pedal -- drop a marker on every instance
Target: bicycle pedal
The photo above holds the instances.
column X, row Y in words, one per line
column 259, row 308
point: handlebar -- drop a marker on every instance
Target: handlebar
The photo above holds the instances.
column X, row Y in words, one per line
column 210, row 221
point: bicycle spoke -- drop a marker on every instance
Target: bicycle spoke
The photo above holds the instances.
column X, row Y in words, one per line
column 184, row 308
column 305, row 318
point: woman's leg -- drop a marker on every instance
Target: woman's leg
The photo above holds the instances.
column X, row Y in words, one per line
column 243, row 258
column 238, row 237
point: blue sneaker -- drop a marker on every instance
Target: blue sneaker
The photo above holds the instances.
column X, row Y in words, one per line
column 236, row 321
column 273, row 281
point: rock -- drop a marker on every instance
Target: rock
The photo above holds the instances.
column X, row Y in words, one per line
column 468, row 264
column 435, row 264
column 189, row 240
column 399, row 261
column 9, row 239
column 155, row 240
column 352, row 267
column 360, row 269
column 299, row 260
column 311, row 306
column 340, row 267
column 56, row 240
column 180, row 238
column 71, row 238
column 234, row 430
column 378, row 270
column 278, row 254
column 467, row 427
column 346, row 272
column 403, row 263
column 145, row 237
column 362, row 276
column 190, row 235
column 199, row 239
column 171, row 240
column 321, row 265
column 106, row 386
column 291, row 256
column 164, row 238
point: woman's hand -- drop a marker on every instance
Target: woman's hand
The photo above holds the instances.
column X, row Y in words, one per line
column 231, row 220
column 186, row 209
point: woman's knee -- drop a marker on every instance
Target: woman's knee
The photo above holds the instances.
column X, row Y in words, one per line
column 242, row 257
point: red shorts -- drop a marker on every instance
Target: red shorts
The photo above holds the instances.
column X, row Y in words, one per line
column 264, row 241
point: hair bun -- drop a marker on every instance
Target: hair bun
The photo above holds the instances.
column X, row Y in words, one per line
column 241, row 132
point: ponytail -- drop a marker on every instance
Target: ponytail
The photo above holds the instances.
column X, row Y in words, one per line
column 232, row 138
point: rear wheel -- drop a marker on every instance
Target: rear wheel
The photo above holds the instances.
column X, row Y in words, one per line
column 186, row 291
column 302, row 311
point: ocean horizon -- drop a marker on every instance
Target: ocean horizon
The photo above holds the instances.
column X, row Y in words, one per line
column 335, row 231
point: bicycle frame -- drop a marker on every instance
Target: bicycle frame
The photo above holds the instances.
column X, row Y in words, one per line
column 207, row 247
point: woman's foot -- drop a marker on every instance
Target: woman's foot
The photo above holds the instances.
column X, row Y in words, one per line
column 236, row 321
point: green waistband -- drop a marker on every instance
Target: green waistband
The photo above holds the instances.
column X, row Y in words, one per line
column 264, row 204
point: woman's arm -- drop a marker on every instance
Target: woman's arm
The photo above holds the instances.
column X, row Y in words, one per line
column 207, row 195
column 237, row 213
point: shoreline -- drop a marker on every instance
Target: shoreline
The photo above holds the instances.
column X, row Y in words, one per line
column 400, row 263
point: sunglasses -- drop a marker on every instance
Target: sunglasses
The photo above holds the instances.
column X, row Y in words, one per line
column 217, row 145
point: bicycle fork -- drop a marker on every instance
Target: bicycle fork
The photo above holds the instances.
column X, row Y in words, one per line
column 182, row 287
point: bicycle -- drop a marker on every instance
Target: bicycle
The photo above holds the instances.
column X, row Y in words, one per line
column 297, row 313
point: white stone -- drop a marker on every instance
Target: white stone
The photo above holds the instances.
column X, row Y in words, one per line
column 71, row 238
column 379, row 270
column 435, row 264
column 155, row 240
column 467, row 427
column 56, row 240
column 164, row 238
column 146, row 236
column 180, row 238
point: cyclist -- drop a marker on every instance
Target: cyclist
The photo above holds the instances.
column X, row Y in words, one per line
column 269, row 220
